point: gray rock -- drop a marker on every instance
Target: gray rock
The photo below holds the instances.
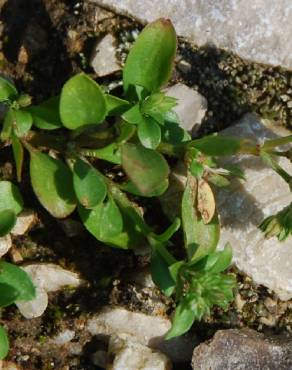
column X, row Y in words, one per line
column 35, row 307
column 191, row 106
column 127, row 354
column 259, row 30
column 103, row 60
column 244, row 205
column 148, row 330
column 243, row 349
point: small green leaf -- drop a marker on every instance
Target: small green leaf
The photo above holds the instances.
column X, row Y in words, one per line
column 175, row 269
column 217, row 145
column 89, row 186
column 7, row 125
column 146, row 168
column 116, row 106
column 157, row 104
column 18, row 279
column 82, row 102
column 150, row 61
column 111, row 222
column 10, row 197
column 196, row 168
column 18, row 154
column 7, row 221
column 52, row 183
column 46, row 115
column 132, row 189
column 7, row 90
column 4, row 343
column 160, row 273
column 133, row 115
column 200, row 238
column 126, row 131
column 22, row 122
column 110, row 153
column 223, row 261
column 218, row 180
column 184, row 318
column 149, row 133
column 8, row 294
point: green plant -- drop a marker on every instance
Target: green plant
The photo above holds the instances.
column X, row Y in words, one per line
column 15, row 284
column 69, row 138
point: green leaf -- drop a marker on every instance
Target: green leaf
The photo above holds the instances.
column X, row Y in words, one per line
column 223, row 260
column 7, row 90
column 10, row 197
column 218, row 180
column 46, row 115
column 52, row 183
column 149, row 133
column 89, row 186
column 7, row 125
column 7, row 221
column 200, row 238
column 150, row 61
column 157, row 104
column 4, row 343
column 18, row 154
column 132, row 189
column 126, row 131
column 217, row 145
column 175, row 269
column 196, row 168
column 171, row 131
column 133, row 115
column 110, row 153
column 22, row 122
column 111, row 220
column 116, row 106
column 234, row 171
column 8, row 295
column 184, row 318
column 168, row 233
column 82, row 102
column 146, row 168
column 18, row 279
column 160, row 273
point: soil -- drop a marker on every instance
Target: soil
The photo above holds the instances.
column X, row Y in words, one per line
column 42, row 44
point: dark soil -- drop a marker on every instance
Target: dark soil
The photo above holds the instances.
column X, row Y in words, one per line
column 42, row 44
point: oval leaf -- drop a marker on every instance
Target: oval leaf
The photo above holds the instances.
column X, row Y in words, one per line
column 89, row 186
column 4, row 343
column 18, row 279
column 205, row 201
column 22, row 122
column 150, row 61
column 7, row 221
column 52, row 183
column 146, row 168
column 116, row 105
column 218, row 145
column 82, row 102
column 7, row 90
column 46, row 115
column 200, row 239
column 149, row 133
column 10, row 197
column 8, row 295
column 160, row 274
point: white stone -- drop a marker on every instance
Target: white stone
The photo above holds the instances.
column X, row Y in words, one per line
column 35, row 307
column 129, row 355
column 7, row 365
column 148, row 330
column 24, row 222
column 51, row 277
column 259, row 30
column 64, row 337
column 191, row 106
column 5, row 244
column 103, row 60
column 46, row 278
column 244, row 205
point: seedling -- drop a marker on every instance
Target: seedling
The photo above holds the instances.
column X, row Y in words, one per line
column 69, row 137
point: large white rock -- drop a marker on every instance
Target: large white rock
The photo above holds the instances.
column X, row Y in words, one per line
column 244, row 205
column 127, row 354
column 46, row 278
column 259, row 30
column 191, row 106
column 103, row 60
column 148, row 330
column 24, row 222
